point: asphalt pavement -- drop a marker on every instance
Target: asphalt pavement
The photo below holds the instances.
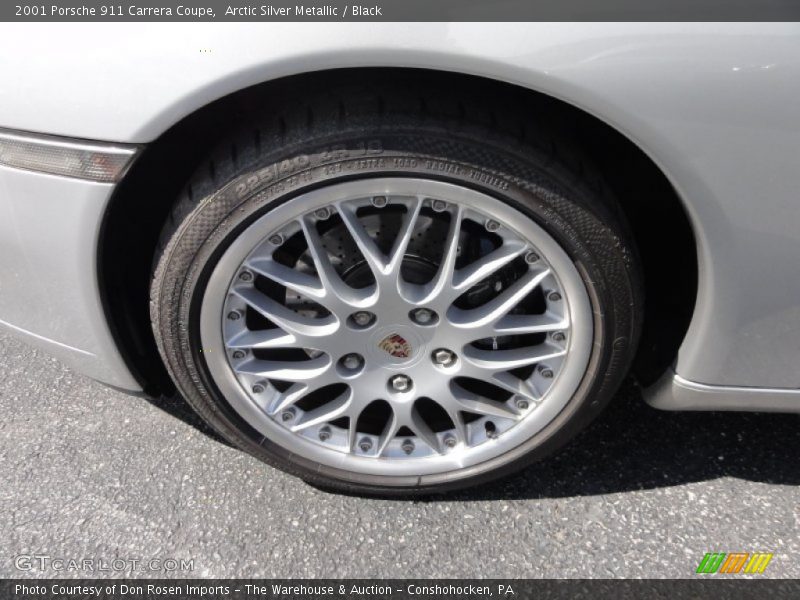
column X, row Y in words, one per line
column 87, row 472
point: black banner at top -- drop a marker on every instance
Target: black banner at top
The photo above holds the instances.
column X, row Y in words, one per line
column 398, row 10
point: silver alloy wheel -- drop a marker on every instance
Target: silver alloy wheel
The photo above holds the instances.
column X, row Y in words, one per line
column 396, row 326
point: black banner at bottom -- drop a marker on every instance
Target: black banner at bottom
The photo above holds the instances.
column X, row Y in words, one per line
column 392, row 589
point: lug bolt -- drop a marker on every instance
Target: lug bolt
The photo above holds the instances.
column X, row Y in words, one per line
column 365, row 444
column 559, row 336
column 444, row 357
column 351, row 362
column 325, row 434
column 276, row 240
column 450, row 441
column 407, row 446
column 322, row 213
column 258, row 388
column 287, row 415
column 234, row 315
column 238, row 354
column 423, row 316
column 546, row 372
column 554, row 297
column 522, row 404
column 362, row 318
column 531, row 257
column 246, row 276
column 400, row 383
column 439, row 205
column 492, row 225
column 379, row 201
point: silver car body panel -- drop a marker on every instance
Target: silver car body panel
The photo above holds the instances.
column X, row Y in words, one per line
column 713, row 104
column 49, row 292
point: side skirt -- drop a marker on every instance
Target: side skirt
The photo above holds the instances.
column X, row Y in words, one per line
column 673, row 392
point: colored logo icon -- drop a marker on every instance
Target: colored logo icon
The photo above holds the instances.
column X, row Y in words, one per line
column 734, row 562
column 396, row 345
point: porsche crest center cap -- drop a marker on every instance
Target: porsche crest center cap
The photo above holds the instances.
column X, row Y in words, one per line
column 395, row 345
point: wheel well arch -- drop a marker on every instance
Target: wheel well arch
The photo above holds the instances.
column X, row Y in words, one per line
column 141, row 204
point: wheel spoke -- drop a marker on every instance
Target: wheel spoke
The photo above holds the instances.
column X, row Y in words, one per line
column 523, row 324
column 454, row 412
column 423, row 431
column 302, row 283
column 287, row 370
column 506, row 360
column 444, row 276
column 388, row 434
column 376, row 260
column 497, row 307
column 465, row 277
column 299, row 390
column 262, row 339
column 475, row 403
column 327, row 274
column 403, row 237
column 287, row 319
column 515, row 385
column 352, row 433
column 382, row 266
column 329, row 411
column 287, row 398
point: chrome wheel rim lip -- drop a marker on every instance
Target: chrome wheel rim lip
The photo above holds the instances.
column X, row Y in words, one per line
column 237, row 390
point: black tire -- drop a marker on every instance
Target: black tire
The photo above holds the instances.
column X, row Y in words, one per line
column 357, row 133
